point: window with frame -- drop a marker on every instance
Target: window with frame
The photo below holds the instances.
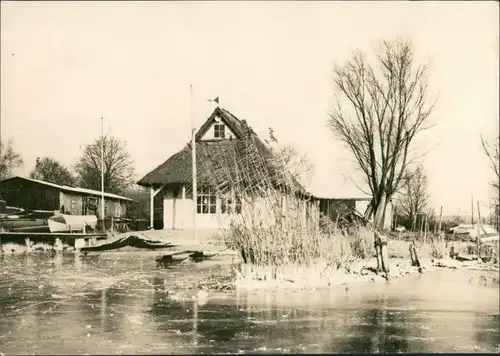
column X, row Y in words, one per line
column 230, row 204
column 118, row 210
column 206, row 201
column 219, row 130
column 92, row 203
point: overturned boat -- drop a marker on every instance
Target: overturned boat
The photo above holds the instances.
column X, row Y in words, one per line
column 128, row 241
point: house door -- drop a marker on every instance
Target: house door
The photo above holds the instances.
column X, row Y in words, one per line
column 158, row 211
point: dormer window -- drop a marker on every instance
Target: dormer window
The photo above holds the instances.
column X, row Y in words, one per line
column 219, row 130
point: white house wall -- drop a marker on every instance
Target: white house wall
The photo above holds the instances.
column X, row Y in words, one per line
column 178, row 213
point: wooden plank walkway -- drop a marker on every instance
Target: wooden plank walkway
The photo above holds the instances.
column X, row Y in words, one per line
column 54, row 234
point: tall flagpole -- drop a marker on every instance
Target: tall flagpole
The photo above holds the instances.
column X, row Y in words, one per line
column 102, row 176
column 193, row 151
column 472, row 209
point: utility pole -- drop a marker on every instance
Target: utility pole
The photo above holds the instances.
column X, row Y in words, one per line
column 103, row 210
column 193, row 157
column 472, row 207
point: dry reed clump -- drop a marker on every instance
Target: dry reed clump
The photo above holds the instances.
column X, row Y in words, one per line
column 438, row 247
column 486, row 279
column 277, row 231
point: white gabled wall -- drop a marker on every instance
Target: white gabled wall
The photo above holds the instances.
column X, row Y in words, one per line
column 210, row 134
column 178, row 212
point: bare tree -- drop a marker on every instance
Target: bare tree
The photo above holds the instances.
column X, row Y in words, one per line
column 491, row 150
column 289, row 159
column 414, row 197
column 50, row 170
column 118, row 169
column 9, row 159
column 385, row 107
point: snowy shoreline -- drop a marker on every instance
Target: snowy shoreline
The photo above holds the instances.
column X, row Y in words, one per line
column 363, row 272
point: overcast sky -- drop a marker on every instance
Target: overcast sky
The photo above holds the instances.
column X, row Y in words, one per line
column 66, row 64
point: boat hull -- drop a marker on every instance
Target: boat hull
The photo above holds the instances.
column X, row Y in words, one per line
column 128, row 241
column 24, row 225
column 69, row 223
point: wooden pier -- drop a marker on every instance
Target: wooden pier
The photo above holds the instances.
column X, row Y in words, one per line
column 56, row 241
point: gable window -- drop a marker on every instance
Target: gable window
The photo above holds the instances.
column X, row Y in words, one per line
column 230, row 204
column 219, row 130
column 206, row 201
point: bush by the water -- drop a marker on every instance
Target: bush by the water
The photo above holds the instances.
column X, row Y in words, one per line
column 277, row 226
column 294, row 245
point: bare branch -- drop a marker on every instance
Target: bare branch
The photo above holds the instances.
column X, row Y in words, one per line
column 491, row 150
column 50, row 170
column 413, row 200
column 118, row 169
column 385, row 107
column 9, row 159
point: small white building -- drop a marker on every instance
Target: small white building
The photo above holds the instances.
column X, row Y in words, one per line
column 228, row 154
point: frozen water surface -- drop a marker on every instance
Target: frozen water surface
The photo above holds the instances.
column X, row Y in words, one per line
column 116, row 303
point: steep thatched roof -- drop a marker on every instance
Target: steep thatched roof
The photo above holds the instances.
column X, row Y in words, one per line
column 239, row 127
column 245, row 162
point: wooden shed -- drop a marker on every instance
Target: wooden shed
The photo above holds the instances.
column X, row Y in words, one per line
column 34, row 194
column 335, row 207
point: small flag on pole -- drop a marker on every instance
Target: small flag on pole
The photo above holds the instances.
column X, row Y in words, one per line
column 215, row 100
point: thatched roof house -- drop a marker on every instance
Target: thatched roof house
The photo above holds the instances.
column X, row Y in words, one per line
column 230, row 157
column 234, row 156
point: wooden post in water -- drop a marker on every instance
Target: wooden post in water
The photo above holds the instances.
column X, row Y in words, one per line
column 382, row 255
column 378, row 251
column 415, row 261
column 27, row 242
